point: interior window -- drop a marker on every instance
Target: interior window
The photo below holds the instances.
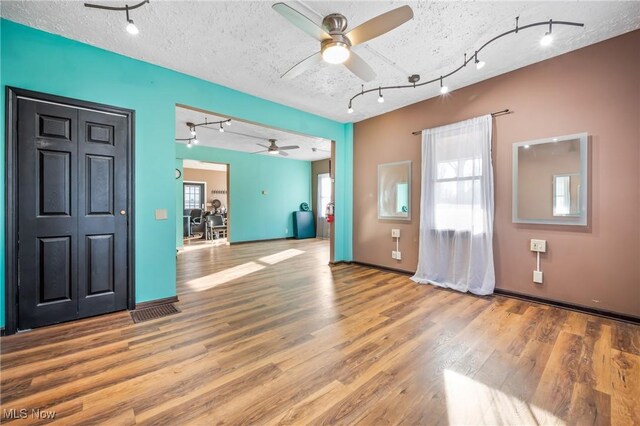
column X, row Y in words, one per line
column 193, row 195
column 324, row 193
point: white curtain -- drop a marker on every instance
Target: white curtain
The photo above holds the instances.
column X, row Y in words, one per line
column 456, row 210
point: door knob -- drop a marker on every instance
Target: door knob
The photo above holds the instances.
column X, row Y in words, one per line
column 122, row 212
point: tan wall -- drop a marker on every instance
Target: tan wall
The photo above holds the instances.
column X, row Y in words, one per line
column 594, row 90
column 215, row 180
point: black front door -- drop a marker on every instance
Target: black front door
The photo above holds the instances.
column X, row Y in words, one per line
column 72, row 212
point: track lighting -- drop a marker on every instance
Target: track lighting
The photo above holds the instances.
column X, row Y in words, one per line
column 413, row 79
column 479, row 64
column 547, row 39
column 193, row 137
column 443, row 89
column 131, row 27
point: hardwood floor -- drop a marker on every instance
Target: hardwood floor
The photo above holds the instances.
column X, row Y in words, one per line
column 269, row 334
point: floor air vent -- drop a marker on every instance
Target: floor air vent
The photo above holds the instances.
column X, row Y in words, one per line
column 154, row 312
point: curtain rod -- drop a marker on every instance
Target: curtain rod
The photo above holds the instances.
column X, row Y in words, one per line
column 493, row 114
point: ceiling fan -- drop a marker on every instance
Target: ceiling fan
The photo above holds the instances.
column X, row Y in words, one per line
column 335, row 44
column 274, row 149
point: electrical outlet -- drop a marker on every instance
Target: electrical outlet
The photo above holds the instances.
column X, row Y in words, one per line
column 398, row 255
column 395, row 233
column 539, row 245
column 393, row 254
column 537, row 277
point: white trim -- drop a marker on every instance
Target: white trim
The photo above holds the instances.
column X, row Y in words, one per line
column 70, row 106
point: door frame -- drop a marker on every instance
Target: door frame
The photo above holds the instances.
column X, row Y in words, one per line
column 11, row 193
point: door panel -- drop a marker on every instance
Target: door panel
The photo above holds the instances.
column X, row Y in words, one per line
column 99, row 185
column 100, row 263
column 102, row 228
column 54, row 270
column 54, row 183
column 72, row 213
column 47, row 210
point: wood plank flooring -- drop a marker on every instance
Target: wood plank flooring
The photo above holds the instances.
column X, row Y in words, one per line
column 270, row 334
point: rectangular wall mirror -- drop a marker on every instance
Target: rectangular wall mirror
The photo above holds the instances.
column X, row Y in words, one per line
column 550, row 180
column 394, row 191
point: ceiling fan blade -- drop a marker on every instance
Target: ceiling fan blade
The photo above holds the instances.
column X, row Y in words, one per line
column 264, row 146
column 380, row 25
column 305, row 64
column 301, row 21
column 284, row 154
column 359, row 67
column 288, row 147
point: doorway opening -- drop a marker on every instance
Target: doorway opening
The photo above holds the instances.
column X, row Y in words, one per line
column 205, row 203
column 274, row 183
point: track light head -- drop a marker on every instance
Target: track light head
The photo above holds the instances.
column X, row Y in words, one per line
column 547, row 39
column 443, row 89
column 228, row 122
column 131, row 28
column 189, row 144
column 350, row 110
column 195, row 140
column 221, row 129
column 381, row 99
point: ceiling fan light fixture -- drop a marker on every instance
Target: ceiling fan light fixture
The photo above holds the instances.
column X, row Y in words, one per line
column 335, row 52
column 274, row 152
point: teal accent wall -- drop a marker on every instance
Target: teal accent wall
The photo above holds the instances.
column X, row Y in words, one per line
column 253, row 215
column 36, row 60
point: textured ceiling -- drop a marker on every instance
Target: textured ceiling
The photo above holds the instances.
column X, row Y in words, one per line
column 247, row 46
column 243, row 136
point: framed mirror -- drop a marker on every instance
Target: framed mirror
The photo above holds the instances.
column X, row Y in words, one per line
column 394, row 191
column 550, row 179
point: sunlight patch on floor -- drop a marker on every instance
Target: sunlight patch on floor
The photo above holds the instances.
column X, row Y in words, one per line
column 199, row 245
column 217, row 278
column 473, row 403
column 272, row 259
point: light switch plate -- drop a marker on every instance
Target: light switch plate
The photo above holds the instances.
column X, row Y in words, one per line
column 539, row 245
column 395, row 233
column 161, row 214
